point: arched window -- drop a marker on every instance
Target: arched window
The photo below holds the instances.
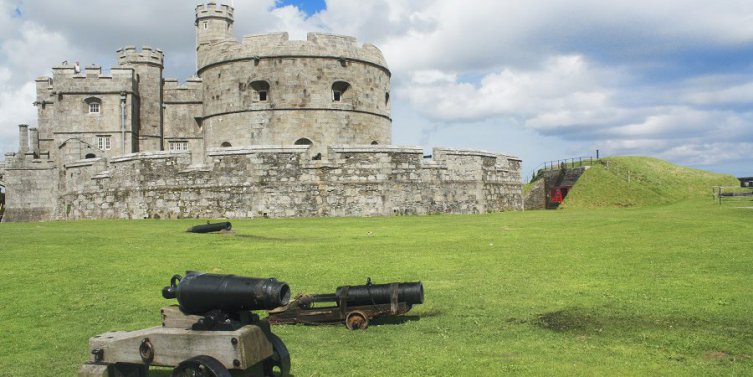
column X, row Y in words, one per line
column 303, row 141
column 225, row 144
column 90, row 155
column 340, row 91
column 374, row 142
column 92, row 105
column 261, row 90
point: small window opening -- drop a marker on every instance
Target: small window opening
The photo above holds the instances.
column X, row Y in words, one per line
column 261, row 89
column 386, row 98
column 225, row 144
column 374, row 142
column 303, row 141
column 89, row 156
column 339, row 90
column 93, row 105
column 206, row 25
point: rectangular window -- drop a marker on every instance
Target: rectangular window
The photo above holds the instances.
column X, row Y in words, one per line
column 104, row 143
column 178, row 145
column 262, row 95
column 336, row 95
column 94, row 107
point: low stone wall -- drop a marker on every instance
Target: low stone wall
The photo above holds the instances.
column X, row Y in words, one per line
column 277, row 181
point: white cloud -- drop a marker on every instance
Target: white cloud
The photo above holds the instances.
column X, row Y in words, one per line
column 566, row 90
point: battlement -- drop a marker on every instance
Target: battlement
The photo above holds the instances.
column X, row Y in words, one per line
column 147, row 55
column 66, row 80
column 211, row 10
column 193, row 83
column 271, row 45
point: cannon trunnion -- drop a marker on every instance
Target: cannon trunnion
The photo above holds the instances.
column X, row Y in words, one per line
column 214, row 343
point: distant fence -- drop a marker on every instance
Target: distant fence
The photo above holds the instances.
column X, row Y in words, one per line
column 733, row 194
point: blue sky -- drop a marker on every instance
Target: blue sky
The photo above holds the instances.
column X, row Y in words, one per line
column 542, row 80
column 308, row 6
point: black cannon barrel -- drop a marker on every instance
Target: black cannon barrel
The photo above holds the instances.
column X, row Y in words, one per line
column 211, row 227
column 199, row 292
column 409, row 293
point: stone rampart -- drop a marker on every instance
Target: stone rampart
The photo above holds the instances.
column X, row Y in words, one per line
column 282, row 181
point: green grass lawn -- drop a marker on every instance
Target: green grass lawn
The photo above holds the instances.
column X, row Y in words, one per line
column 663, row 290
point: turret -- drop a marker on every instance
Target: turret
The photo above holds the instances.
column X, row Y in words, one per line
column 148, row 65
column 213, row 24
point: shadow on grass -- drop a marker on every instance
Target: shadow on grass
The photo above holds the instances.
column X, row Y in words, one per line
column 262, row 238
column 394, row 320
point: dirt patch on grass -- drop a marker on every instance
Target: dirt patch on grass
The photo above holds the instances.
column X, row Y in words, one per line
column 568, row 320
column 724, row 356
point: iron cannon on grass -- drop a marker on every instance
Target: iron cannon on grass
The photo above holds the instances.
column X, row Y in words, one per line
column 211, row 227
column 352, row 305
column 212, row 332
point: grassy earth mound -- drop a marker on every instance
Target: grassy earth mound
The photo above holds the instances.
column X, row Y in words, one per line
column 642, row 181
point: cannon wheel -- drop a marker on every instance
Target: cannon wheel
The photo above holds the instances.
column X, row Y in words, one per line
column 280, row 358
column 201, row 366
column 356, row 320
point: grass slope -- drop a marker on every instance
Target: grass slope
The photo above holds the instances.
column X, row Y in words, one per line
column 586, row 292
column 641, row 181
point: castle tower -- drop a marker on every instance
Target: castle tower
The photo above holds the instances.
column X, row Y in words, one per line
column 270, row 90
column 148, row 65
column 213, row 24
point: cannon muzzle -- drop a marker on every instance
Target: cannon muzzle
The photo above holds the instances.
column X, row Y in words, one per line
column 199, row 292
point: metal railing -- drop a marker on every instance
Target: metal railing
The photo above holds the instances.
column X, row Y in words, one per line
column 571, row 162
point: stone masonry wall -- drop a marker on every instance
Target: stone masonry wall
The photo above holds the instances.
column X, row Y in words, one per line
column 276, row 181
column 30, row 194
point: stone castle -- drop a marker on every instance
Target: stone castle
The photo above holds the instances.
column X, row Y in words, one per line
column 268, row 127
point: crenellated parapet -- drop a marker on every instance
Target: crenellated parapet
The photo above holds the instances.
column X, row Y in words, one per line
column 65, row 80
column 212, row 10
column 129, row 55
column 278, row 45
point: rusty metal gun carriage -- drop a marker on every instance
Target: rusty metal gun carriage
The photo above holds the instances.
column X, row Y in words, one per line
column 353, row 305
column 212, row 333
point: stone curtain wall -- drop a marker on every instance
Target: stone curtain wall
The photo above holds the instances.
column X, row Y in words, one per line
column 276, row 181
column 30, row 191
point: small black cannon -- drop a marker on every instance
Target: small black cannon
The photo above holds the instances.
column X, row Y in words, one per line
column 211, row 227
column 212, row 332
column 354, row 305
